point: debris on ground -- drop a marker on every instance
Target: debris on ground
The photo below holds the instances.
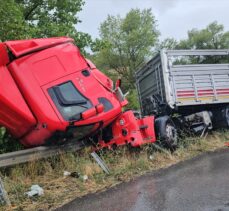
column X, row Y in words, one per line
column 227, row 144
column 67, row 173
column 35, row 190
column 85, row 178
column 151, row 157
column 72, row 174
column 75, row 174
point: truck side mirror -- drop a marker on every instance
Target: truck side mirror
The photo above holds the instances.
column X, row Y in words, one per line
column 89, row 113
column 93, row 111
column 99, row 108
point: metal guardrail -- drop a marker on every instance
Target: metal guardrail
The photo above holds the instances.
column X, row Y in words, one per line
column 28, row 155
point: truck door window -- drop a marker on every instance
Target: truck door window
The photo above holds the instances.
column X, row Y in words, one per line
column 69, row 101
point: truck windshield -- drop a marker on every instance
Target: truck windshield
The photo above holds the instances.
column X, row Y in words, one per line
column 69, row 101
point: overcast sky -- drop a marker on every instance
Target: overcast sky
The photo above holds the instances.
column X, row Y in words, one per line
column 175, row 17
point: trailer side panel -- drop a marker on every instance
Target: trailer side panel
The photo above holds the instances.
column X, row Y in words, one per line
column 180, row 84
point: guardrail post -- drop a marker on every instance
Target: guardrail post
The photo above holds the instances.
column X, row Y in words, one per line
column 3, row 195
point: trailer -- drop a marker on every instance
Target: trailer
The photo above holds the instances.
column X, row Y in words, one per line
column 191, row 87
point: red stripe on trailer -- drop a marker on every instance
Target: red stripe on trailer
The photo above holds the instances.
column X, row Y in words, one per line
column 222, row 93
column 205, row 90
column 222, row 89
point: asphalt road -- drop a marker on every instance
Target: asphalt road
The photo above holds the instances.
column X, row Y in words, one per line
column 198, row 184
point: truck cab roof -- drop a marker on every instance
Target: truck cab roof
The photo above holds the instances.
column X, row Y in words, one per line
column 23, row 47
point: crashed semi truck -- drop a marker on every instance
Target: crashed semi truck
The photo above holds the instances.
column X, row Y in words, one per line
column 191, row 87
column 50, row 94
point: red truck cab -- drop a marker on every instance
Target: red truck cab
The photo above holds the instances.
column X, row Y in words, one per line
column 50, row 93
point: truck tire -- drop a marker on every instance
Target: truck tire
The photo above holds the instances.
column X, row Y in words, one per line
column 166, row 132
column 221, row 118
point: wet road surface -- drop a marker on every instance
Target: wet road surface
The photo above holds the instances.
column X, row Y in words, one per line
column 198, row 184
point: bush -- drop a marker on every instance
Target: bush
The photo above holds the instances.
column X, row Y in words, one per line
column 7, row 143
column 132, row 98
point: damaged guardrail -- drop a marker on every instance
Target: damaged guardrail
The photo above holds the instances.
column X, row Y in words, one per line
column 27, row 155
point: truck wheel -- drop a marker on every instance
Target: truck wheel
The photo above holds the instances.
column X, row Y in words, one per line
column 166, row 132
column 221, row 118
column 226, row 116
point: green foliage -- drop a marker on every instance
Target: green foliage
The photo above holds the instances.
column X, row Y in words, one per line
column 125, row 43
column 21, row 19
column 168, row 43
column 212, row 37
column 132, row 98
column 2, row 133
column 7, row 143
column 12, row 23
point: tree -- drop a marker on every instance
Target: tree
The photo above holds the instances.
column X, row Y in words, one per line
column 12, row 24
column 212, row 37
column 125, row 43
column 41, row 18
column 168, row 43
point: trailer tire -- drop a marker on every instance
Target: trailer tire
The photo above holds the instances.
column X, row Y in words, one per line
column 221, row 117
column 166, row 132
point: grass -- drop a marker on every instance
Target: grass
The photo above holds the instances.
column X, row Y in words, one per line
column 123, row 163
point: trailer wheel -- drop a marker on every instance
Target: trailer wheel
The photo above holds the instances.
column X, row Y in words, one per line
column 226, row 116
column 166, row 132
column 221, row 118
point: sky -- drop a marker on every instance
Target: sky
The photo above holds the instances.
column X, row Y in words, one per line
column 174, row 17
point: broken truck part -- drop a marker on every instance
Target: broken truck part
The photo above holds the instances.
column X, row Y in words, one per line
column 189, row 86
column 50, row 94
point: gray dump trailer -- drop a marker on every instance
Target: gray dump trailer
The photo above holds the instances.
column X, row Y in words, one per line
column 192, row 85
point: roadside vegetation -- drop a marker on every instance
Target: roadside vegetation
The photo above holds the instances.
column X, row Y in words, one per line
column 124, row 164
